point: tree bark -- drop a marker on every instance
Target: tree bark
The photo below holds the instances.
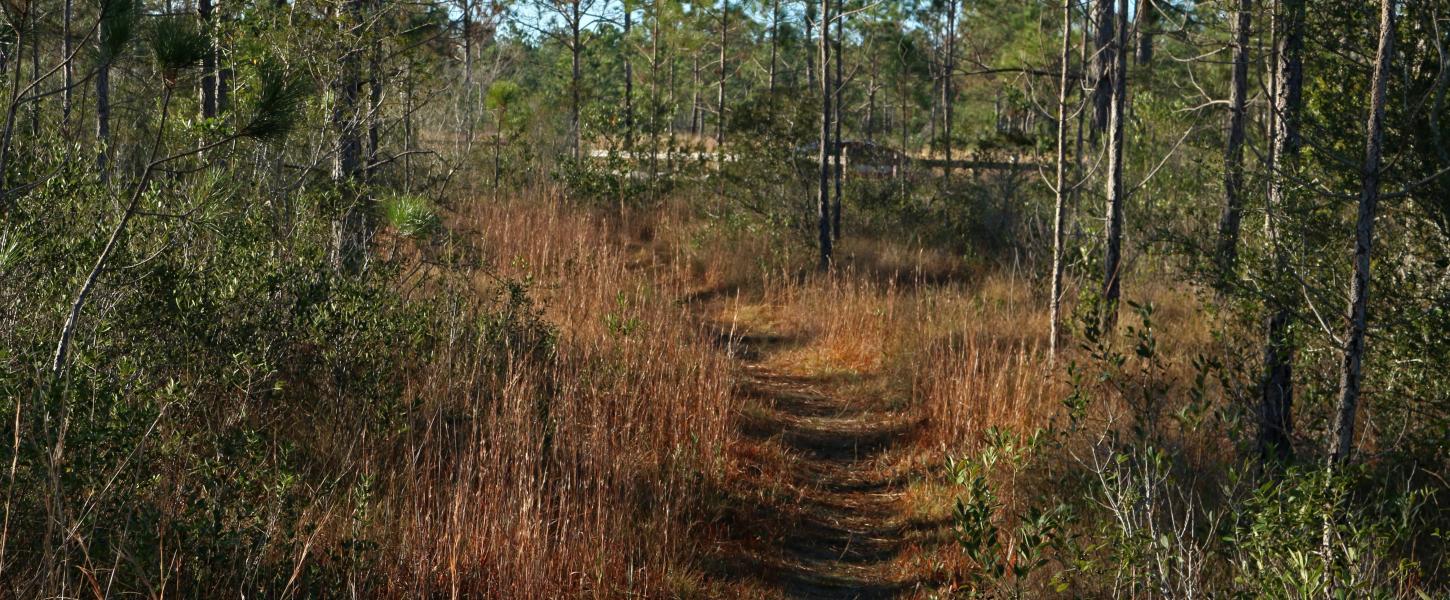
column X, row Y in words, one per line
column 375, row 112
column 823, row 195
column 574, row 48
column 1233, row 184
column 1276, row 390
column 671, row 102
column 654, row 100
column 1147, row 28
column 497, row 149
column 810, row 35
column 720, row 91
column 472, row 96
column 350, row 230
column 628, row 85
column 7, row 135
column 837, row 114
column 947, row 95
column 1104, row 65
column 1060, row 212
column 67, row 63
column 35, row 75
column 1350, row 373
column 1112, row 262
column 871, row 102
column 695, row 99
column 204, row 13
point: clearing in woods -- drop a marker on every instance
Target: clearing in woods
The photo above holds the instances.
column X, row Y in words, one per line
column 815, row 502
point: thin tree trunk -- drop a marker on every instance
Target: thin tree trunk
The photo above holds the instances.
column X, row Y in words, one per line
column 103, row 112
column 1104, row 65
column 1277, row 388
column 1350, row 373
column 720, row 91
column 350, row 229
column 654, row 101
column 574, row 48
column 674, row 109
column 1233, row 184
column 223, row 84
column 871, row 102
column 947, row 95
column 35, row 73
column 628, row 85
column 497, row 149
column 774, row 41
column 823, row 195
column 903, row 129
column 1083, row 98
column 695, row 99
column 468, row 102
column 1147, row 28
column 67, row 330
column 375, row 112
column 7, row 136
column 932, row 112
column 1060, row 212
column 223, row 73
column 837, row 115
column 410, row 132
column 204, row 14
column 1112, row 262
column 810, row 35
column 68, row 65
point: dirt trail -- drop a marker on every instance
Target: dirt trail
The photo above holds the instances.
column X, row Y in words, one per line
column 817, row 510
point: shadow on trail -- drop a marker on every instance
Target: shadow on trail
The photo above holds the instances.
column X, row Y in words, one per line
column 824, row 516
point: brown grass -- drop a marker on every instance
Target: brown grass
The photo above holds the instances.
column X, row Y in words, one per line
column 604, row 489
column 572, row 476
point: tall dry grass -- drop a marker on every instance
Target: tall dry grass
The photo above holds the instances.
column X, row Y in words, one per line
column 575, row 473
column 581, row 474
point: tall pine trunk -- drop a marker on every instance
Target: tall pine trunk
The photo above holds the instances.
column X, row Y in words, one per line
column 1276, row 389
column 871, row 102
column 204, row 13
column 1147, row 28
column 823, row 191
column 375, row 112
column 1233, row 184
column 350, row 230
column 628, row 86
column 574, row 50
column 810, row 35
column 720, row 90
column 947, row 96
column 1113, row 256
column 1103, row 65
column 35, row 76
column 1060, row 210
column 1351, row 369
column 695, row 99
column 67, row 47
column 654, row 101
column 838, row 116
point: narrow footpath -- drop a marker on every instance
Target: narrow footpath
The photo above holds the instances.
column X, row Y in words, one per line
column 815, row 508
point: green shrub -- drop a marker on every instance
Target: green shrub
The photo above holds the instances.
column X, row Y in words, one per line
column 411, row 215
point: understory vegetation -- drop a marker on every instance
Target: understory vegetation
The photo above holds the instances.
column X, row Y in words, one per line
column 316, row 299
